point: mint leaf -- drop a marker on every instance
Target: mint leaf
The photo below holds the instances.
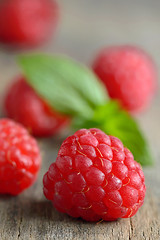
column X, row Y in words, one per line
column 65, row 84
column 114, row 121
column 71, row 88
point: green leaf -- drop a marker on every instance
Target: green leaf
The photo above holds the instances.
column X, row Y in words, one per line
column 65, row 84
column 114, row 121
column 71, row 88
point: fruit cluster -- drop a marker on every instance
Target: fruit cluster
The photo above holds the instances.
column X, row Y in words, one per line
column 128, row 74
column 19, row 158
column 23, row 105
column 27, row 23
column 94, row 176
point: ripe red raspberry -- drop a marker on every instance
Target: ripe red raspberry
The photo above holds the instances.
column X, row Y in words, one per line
column 95, row 177
column 19, row 158
column 27, row 22
column 23, row 105
column 128, row 74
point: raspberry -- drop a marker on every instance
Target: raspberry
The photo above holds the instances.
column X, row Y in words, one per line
column 19, row 158
column 27, row 22
column 95, row 177
column 23, row 105
column 128, row 74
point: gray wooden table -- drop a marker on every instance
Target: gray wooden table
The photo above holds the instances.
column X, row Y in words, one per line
column 86, row 26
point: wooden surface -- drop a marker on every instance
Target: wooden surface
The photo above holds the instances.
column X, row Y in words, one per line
column 86, row 26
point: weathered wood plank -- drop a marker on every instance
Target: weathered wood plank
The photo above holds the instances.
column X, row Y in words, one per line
column 34, row 218
column 31, row 216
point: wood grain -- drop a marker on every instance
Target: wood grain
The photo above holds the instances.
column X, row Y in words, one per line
column 31, row 216
column 86, row 26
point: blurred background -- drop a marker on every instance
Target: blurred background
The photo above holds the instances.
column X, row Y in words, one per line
column 88, row 25
column 85, row 27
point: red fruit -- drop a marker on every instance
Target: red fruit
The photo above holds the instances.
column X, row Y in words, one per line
column 128, row 74
column 89, row 181
column 23, row 105
column 19, row 158
column 27, row 22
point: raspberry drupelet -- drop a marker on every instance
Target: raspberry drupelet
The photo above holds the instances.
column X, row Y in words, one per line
column 95, row 177
column 19, row 158
column 24, row 106
column 129, row 75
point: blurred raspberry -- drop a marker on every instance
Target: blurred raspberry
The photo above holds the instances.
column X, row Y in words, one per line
column 19, row 158
column 23, row 105
column 128, row 74
column 95, row 177
column 27, row 22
